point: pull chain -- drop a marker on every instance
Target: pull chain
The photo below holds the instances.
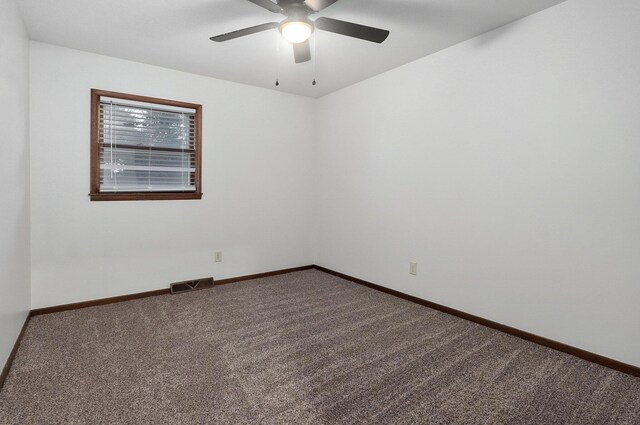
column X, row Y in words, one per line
column 277, row 59
column 315, row 57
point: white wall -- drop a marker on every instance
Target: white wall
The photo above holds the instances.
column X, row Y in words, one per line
column 14, row 173
column 257, row 148
column 508, row 167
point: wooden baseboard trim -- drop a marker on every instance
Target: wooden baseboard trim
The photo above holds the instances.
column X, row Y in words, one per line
column 12, row 355
column 261, row 275
column 101, row 301
column 155, row 293
column 583, row 354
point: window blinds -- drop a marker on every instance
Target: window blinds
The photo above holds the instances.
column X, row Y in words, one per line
column 145, row 147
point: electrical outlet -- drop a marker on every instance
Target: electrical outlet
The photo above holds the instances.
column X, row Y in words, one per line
column 218, row 256
column 413, row 268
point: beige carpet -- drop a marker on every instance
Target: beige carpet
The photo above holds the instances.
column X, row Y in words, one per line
column 302, row 348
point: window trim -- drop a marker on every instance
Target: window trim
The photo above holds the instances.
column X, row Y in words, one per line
column 94, row 191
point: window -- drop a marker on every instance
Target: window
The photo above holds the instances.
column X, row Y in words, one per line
column 144, row 148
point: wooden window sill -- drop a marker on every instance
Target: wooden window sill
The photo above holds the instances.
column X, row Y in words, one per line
column 144, row 196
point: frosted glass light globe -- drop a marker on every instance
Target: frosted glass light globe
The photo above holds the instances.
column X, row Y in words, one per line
column 296, row 31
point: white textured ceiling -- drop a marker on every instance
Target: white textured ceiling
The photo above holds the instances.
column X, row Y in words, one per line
column 175, row 34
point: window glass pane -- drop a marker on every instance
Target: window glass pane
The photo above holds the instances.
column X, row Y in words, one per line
column 145, row 149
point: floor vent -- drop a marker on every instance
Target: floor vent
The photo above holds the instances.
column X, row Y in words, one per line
column 191, row 285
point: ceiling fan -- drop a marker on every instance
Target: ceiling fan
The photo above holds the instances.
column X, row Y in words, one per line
column 297, row 27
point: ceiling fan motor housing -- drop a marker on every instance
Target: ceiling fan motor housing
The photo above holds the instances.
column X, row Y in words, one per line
column 295, row 8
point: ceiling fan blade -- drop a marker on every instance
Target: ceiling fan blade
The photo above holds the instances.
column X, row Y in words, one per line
column 318, row 5
column 302, row 51
column 267, row 4
column 350, row 29
column 246, row 31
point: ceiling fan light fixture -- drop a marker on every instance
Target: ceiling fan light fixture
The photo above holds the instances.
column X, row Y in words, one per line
column 296, row 31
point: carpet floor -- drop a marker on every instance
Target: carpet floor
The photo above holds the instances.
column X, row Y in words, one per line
column 301, row 348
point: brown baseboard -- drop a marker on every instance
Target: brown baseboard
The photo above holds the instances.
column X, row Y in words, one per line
column 101, row 301
column 586, row 355
column 121, row 298
column 12, row 355
column 261, row 275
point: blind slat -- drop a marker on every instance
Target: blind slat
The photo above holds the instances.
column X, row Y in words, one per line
column 144, row 105
column 118, row 168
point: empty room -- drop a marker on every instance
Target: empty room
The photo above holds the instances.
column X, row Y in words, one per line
column 320, row 212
